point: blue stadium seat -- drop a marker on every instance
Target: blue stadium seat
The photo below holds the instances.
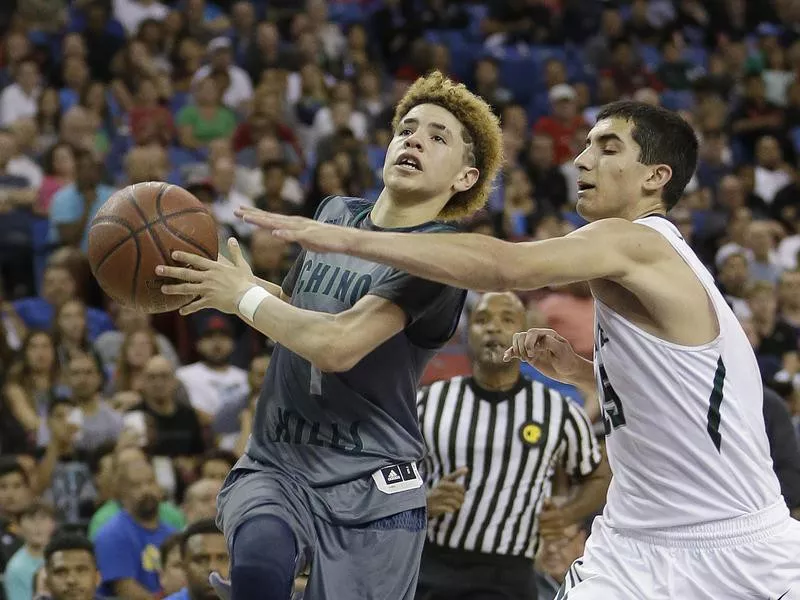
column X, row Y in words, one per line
column 115, row 158
column 346, row 13
column 477, row 13
column 650, row 55
column 677, row 99
column 522, row 75
column 181, row 157
column 696, row 55
column 538, row 106
column 794, row 135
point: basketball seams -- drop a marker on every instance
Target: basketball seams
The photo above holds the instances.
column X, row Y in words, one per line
column 131, row 196
column 131, row 236
column 122, row 223
column 162, row 218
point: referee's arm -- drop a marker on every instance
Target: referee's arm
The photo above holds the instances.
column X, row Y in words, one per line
column 586, row 463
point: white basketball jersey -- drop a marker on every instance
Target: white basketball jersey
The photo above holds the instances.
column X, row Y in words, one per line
column 686, row 439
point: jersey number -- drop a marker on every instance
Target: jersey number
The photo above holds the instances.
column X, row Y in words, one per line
column 610, row 404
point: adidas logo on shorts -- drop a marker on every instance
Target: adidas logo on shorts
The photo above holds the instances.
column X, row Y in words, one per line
column 397, row 478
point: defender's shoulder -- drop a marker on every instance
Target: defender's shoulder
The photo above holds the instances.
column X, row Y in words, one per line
column 628, row 238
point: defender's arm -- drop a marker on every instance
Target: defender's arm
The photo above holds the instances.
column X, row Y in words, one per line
column 606, row 249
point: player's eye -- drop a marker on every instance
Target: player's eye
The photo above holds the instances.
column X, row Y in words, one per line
column 404, row 132
column 438, row 139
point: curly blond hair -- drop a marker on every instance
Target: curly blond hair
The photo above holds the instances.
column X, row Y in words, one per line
column 480, row 132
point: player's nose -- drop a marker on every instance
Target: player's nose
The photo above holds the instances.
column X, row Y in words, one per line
column 413, row 141
column 581, row 161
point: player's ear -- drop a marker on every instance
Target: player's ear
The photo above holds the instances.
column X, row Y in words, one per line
column 466, row 179
column 658, row 178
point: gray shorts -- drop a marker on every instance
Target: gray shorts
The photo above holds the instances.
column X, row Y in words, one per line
column 374, row 561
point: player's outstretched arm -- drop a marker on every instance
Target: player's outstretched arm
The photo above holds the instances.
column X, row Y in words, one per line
column 331, row 342
column 605, row 249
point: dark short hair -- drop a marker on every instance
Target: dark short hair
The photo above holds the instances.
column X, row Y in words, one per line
column 168, row 545
column 68, row 541
column 664, row 137
column 201, row 527
column 9, row 464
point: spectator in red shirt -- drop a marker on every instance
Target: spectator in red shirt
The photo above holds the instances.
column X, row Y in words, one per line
column 565, row 119
column 150, row 121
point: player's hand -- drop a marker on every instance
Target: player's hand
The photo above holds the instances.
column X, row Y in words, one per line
column 311, row 234
column 217, row 284
column 545, row 350
column 447, row 495
column 553, row 521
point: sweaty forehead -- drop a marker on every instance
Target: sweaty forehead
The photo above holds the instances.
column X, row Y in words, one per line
column 620, row 128
column 433, row 113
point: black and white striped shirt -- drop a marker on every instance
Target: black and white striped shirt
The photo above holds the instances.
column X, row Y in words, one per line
column 511, row 442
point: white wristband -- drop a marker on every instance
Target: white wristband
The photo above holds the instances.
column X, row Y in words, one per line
column 250, row 302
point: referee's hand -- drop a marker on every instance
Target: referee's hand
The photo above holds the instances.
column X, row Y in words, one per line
column 447, row 495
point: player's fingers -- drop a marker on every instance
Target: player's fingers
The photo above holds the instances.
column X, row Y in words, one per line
column 459, row 472
column 180, row 273
column 194, row 260
column 262, row 218
column 236, row 251
column 193, row 307
column 182, row 289
column 532, row 342
column 519, row 346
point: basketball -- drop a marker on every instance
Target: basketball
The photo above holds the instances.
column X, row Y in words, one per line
column 136, row 230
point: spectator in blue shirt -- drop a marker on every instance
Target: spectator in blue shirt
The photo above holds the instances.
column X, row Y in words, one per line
column 203, row 551
column 128, row 544
column 71, row 568
column 58, row 287
column 74, row 206
column 36, row 524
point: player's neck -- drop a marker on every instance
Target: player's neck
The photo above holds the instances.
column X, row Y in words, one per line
column 389, row 213
column 496, row 379
column 647, row 211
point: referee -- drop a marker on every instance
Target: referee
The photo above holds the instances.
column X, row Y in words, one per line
column 503, row 436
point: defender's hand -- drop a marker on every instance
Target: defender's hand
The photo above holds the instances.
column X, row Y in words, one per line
column 311, row 234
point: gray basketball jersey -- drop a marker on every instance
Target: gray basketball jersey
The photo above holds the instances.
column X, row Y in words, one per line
column 332, row 431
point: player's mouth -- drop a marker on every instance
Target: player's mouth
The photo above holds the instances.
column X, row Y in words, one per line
column 584, row 186
column 408, row 161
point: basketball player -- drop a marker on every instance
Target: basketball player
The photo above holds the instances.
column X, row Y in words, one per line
column 329, row 474
column 694, row 508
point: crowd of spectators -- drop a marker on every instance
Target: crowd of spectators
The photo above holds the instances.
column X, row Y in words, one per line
column 113, row 422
